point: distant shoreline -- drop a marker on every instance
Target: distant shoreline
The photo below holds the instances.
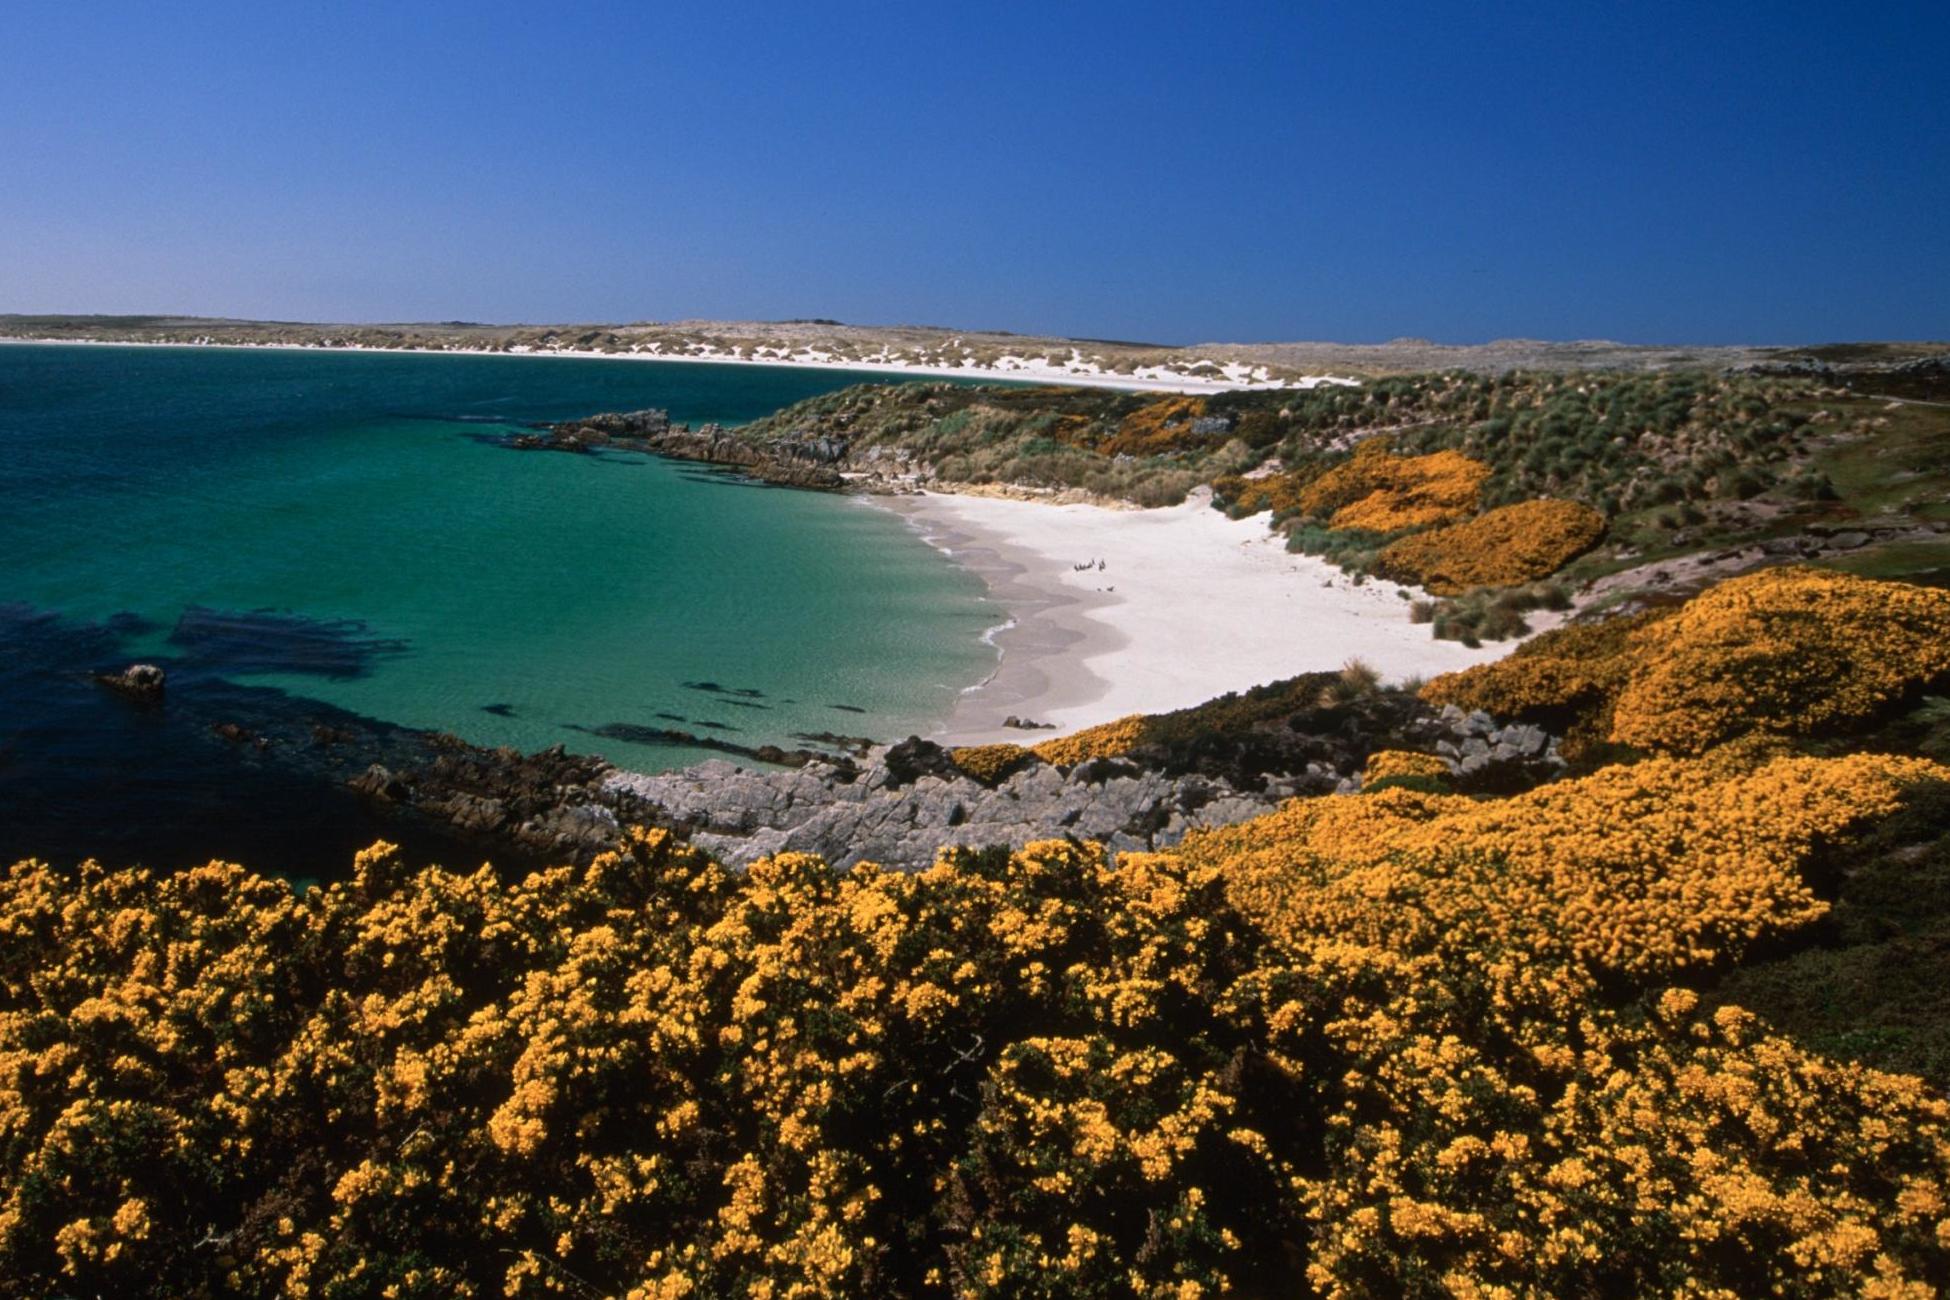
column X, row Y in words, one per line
column 1025, row 374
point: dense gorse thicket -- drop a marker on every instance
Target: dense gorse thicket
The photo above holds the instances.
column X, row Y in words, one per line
column 1781, row 652
column 1400, row 1042
column 1393, row 1041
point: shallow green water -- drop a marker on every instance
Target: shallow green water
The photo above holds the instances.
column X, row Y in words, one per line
column 511, row 598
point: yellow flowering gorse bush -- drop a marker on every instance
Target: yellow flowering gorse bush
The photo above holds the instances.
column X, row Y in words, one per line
column 1397, row 1043
column 1499, row 548
column 1385, row 764
column 1281, row 493
column 990, row 763
column 1106, row 740
column 1158, row 426
column 1379, row 492
column 1783, row 652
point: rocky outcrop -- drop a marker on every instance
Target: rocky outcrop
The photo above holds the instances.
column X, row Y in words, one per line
column 1673, row 578
column 900, row 804
column 784, row 464
column 141, row 682
column 810, row 461
column 901, row 813
column 595, row 431
column 547, row 802
column 1484, row 755
column 909, row 800
column 1867, row 369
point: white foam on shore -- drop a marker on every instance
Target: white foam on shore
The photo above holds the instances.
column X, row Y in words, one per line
column 988, row 637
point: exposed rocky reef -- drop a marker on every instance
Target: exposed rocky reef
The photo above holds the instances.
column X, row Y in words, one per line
column 541, row 801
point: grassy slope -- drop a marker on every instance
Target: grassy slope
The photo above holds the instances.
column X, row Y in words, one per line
column 1679, row 463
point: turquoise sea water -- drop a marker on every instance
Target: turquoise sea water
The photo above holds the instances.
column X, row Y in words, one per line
column 347, row 528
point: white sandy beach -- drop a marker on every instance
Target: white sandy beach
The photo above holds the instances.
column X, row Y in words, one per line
column 1007, row 369
column 1189, row 605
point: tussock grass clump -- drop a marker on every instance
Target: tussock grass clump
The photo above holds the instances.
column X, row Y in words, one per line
column 1492, row 614
column 1356, row 679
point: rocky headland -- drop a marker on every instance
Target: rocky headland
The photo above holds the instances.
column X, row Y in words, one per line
column 813, row 461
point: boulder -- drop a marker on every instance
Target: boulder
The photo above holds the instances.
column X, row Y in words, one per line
column 914, row 758
column 378, row 782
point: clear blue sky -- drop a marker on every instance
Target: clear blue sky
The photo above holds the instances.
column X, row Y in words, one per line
column 1653, row 172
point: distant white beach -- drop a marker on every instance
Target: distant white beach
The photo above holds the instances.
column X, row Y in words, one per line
column 1235, row 376
column 1187, row 605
